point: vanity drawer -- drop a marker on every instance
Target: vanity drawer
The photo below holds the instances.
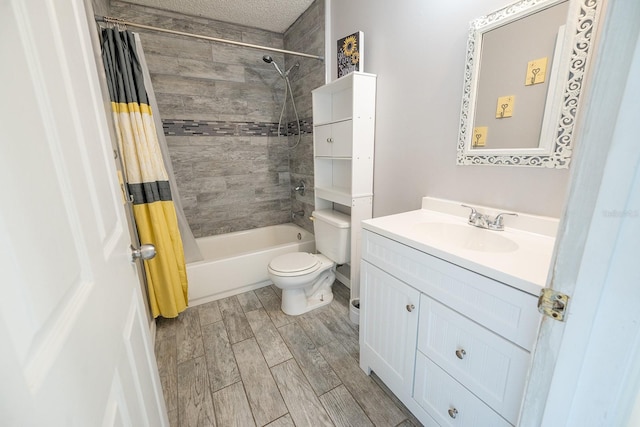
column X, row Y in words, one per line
column 493, row 368
column 507, row 311
column 448, row 402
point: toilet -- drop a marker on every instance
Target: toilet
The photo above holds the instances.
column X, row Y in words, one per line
column 306, row 279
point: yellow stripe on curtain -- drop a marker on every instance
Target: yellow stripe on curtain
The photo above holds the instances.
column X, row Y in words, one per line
column 166, row 273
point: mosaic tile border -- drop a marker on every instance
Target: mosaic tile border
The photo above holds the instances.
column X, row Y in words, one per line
column 224, row 128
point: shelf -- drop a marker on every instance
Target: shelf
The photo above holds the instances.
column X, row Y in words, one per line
column 330, row 122
column 343, row 138
column 332, row 157
column 335, row 194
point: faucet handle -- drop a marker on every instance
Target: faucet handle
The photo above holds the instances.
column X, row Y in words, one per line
column 498, row 223
column 473, row 214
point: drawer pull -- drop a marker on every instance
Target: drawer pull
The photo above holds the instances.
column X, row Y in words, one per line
column 410, row 307
column 460, row 353
column 453, row 412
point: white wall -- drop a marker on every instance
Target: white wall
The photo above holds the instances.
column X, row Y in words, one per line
column 417, row 48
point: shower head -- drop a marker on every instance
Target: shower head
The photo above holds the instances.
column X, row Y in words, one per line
column 269, row 60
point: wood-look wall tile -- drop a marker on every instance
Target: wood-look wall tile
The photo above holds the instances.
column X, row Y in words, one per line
column 320, row 375
column 234, row 320
column 375, row 403
column 195, row 407
column 264, row 398
column 343, row 408
column 178, row 85
column 221, row 363
column 169, row 45
column 232, row 408
column 273, row 347
column 304, row 407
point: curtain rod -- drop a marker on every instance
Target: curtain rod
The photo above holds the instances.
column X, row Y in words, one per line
column 111, row 20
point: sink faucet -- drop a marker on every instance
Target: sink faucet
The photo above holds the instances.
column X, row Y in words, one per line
column 481, row 220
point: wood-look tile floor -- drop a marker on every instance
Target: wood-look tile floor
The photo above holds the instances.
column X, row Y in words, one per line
column 241, row 361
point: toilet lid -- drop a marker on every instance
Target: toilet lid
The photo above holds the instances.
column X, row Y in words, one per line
column 294, row 262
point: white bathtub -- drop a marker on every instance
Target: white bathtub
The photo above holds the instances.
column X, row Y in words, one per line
column 237, row 262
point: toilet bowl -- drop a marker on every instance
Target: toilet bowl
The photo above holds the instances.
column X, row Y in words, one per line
column 306, row 279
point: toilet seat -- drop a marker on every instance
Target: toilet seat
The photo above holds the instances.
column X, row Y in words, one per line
column 294, row 264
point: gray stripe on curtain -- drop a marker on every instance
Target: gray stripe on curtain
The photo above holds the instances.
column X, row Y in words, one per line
column 119, row 53
column 149, row 192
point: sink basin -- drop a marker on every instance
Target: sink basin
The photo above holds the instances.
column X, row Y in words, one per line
column 464, row 236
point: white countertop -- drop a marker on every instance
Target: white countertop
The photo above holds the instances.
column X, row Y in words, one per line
column 525, row 268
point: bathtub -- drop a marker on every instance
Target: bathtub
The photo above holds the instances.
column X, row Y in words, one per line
column 237, row 262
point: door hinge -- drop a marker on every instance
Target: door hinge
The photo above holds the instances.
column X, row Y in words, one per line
column 553, row 304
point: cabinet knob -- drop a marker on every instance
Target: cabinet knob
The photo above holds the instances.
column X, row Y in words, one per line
column 410, row 307
column 460, row 353
column 329, row 140
column 453, row 412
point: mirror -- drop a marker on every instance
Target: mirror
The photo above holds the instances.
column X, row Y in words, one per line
column 524, row 74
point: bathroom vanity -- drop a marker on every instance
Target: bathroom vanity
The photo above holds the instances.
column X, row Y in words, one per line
column 449, row 311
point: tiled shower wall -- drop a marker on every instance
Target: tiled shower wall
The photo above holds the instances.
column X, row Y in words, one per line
column 220, row 106
column 305, row 35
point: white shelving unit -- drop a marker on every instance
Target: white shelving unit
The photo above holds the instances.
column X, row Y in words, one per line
column 343, row 134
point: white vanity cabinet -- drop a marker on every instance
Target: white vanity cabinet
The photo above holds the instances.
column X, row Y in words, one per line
column 453, row 345
column 343, row 147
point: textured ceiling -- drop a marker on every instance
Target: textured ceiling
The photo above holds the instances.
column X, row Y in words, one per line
column 271, row 15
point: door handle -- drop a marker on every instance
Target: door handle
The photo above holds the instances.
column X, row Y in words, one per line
column 144, row 252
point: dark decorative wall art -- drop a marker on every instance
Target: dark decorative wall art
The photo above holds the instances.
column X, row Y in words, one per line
column 351, row 54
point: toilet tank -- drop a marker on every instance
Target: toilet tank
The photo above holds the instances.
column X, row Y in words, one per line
column 333, row 234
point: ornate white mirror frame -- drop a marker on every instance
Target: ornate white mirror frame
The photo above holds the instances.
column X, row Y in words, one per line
column 563, row 96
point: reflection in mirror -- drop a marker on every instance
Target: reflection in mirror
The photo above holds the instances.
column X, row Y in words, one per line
column 523, row 77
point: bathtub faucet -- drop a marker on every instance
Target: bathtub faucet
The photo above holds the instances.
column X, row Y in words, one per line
column 294, row 214
column 300, row 188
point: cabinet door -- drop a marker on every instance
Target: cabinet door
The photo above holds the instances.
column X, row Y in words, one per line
column 388, row 329
column 322, row 140
column 342, row 137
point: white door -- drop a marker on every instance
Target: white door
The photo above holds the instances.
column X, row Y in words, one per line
column 75, row 346
column 586, row 370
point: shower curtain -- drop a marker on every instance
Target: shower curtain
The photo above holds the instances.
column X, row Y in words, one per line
column 145, row 173
column 191, row 248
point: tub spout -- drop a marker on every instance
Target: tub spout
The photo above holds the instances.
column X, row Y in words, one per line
column 296, row 214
